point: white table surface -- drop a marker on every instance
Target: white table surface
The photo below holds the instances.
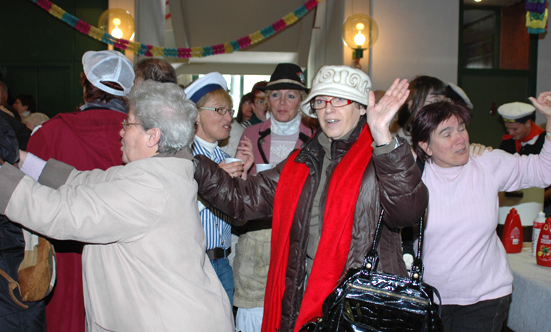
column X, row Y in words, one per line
column 530, row 309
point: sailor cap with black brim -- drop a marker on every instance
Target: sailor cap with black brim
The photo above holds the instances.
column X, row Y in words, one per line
column 516, row 112
column 202, row 86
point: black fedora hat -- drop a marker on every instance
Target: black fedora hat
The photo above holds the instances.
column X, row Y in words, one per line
column 286, row 76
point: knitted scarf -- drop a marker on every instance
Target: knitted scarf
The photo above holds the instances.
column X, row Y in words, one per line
column 336, row 236
column 535, row 131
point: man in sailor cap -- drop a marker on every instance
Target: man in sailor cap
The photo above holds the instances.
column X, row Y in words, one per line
column 525, row 136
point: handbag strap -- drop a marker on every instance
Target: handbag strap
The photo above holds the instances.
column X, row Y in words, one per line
column 12, row 285
column 372, row 257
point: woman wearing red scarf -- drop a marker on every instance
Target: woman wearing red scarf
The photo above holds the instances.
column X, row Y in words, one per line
column 325, row 198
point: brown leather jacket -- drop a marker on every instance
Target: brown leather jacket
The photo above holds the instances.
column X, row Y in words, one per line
column 391, row 180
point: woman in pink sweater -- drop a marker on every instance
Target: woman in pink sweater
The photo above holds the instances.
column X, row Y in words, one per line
column 463, row 256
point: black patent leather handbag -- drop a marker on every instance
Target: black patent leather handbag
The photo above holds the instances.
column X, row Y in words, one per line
column 366, row 300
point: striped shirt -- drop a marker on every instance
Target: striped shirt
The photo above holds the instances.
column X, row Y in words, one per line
column 217, row 231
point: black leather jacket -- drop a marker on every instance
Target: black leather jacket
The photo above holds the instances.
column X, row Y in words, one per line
column 12, row 246
column 390, row 180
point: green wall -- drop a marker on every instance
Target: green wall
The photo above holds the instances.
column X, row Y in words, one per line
column 41, row 55
column 487, row 87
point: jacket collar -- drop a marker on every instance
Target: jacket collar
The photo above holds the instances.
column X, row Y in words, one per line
column 184, row 153
column 338, row 147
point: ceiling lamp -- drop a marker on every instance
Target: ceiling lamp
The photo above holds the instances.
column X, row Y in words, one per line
column 117, row 22
column 359, row 32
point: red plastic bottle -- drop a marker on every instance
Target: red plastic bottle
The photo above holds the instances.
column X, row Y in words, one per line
column 512, row 233
column 543, row 250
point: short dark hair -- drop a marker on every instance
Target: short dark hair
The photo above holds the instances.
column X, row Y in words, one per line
column 155, row 69
column 27, row 100
column 429, row 118
column 92, row 92
column 257, row 85
column 420, row 88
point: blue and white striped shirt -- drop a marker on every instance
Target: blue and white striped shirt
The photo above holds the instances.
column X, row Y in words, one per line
column 217, row 231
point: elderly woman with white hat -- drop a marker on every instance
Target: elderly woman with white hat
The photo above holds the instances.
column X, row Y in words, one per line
column 325, row 198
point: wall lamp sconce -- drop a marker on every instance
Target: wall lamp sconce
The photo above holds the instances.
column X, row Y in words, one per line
column 117, row 22
column 359, row 32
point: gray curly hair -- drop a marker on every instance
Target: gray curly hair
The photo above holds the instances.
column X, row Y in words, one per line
column 165, row 106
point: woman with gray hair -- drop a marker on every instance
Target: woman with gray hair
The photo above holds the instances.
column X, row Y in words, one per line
column 144, row 265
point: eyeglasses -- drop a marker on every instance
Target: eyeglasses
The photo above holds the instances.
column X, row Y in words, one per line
column 219, row 110
column 126, row 124
column 319, row 104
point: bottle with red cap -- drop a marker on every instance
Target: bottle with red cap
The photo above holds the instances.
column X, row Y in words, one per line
column 536, row 229
column 512, row 233
column 543, row 250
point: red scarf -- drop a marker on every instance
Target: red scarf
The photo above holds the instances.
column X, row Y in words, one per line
column 336, row 236
column 535, row 131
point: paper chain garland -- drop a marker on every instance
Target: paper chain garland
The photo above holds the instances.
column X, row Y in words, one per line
column 536, row 16
column 194, row 52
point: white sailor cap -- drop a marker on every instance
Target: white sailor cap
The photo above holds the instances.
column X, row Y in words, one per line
column 516, row 112
column 202, row 86
column 456, row 94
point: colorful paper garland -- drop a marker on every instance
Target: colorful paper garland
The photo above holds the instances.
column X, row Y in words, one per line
column 536, row 16
column 194, row 52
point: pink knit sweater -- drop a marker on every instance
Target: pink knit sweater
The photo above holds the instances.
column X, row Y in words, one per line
column 463, row 256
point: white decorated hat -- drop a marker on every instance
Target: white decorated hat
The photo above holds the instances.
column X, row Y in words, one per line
column 109, row 66
column 202, row 86
column 339, row 81
column 516, row 112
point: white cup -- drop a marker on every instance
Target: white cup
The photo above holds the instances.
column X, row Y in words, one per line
column 232, row 160
column 263, row 167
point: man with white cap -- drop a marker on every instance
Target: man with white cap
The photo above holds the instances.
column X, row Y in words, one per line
column 525, row 136
column 325, row 199
column 86, row 139
column 213, row 124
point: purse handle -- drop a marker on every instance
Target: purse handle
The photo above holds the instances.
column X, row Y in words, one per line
column 372, row 257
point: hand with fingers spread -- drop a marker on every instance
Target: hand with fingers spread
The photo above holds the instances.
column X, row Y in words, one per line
column 543, row 104
column 245, row 153
column 381, row 115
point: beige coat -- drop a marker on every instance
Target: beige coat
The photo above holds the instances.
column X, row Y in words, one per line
column 145, row 267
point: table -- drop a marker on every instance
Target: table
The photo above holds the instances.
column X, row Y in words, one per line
column 531, row 305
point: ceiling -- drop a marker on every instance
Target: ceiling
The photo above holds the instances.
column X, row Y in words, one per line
column 196, row 23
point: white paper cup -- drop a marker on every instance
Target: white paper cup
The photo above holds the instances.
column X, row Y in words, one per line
column 263, row 167
column 232, row 160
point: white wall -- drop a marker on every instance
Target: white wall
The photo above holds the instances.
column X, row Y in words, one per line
column 415, row 37
column 150, row 22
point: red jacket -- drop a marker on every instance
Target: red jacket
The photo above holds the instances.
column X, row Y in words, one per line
column 86, row 140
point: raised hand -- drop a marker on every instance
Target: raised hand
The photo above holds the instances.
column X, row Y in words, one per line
column 543, row 103
column 381, row 115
